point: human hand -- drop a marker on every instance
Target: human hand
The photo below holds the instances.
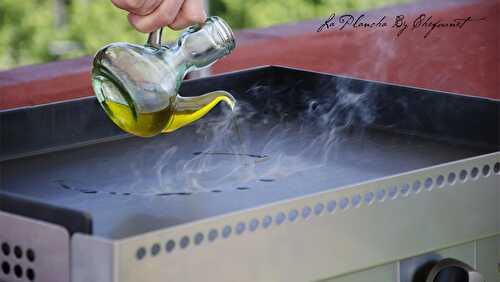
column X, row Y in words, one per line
column 150, row 15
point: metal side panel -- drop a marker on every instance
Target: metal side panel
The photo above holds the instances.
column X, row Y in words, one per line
column 33, row 250
column 384, row 273
column 488, row 259
column 323, row 235
column 92, row 259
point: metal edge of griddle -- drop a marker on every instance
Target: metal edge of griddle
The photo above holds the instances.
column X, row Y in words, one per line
column 106, row 130
column 316, row 246
column 494, row 146
column 65, row 147
column 103, row 130
column 109, row 132
column 283, row 67
column 72, row 220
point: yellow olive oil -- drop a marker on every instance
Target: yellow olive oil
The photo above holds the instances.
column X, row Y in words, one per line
column 166, row 120
column 140, row 124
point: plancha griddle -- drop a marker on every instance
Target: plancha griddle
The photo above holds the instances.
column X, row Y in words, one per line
column 311, row 177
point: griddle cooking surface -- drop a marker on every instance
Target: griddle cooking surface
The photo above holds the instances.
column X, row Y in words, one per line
column 118, row 184
column 296, row 133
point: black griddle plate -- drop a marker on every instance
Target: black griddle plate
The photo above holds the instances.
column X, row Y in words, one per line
column 296, row 133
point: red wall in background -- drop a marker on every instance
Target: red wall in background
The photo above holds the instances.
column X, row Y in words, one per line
column 465, row 61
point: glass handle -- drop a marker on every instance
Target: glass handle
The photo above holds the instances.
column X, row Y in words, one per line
column 154, row 38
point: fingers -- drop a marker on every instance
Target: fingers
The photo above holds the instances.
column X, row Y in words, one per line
column 192, row 11
column 138, row 7
column 163, row 15
column 150, row 15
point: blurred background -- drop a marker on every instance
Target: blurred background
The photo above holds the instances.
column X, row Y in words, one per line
column 38, row 31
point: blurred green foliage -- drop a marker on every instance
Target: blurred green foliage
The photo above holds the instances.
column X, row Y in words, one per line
column 29, row 33
column 261, row 13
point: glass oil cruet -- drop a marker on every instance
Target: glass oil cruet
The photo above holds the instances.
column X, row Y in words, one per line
column 137, row 86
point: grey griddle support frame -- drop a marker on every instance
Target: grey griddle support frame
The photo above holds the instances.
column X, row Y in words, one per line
column 364, row 228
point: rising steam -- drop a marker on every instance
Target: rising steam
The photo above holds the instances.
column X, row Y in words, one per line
column 267, row 143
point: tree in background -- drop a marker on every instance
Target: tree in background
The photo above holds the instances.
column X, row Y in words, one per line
column 36, row 32
column 262, row 13
column 25, row 32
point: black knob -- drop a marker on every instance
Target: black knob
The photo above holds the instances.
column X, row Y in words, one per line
column 452, row 270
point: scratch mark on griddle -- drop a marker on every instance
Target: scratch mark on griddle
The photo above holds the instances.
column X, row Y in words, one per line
column 65, row 186
column 266, row 180
column 232, row 154
column 88, row 191
column 62, row 184
column 164, row 194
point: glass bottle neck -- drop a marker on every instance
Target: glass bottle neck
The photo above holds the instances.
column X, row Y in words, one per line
column 200, row 46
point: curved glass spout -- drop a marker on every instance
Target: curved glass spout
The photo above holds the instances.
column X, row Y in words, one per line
column 190, row 109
